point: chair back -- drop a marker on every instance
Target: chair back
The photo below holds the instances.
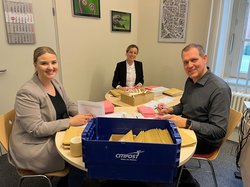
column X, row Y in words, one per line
column 6, row 122
column 234, row 120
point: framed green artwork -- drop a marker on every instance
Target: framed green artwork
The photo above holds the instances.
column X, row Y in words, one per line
column 120, row 21
column 86, row 8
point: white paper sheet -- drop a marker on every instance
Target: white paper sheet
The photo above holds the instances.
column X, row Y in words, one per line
column 124, row 115
column 95, row 108
column 154, row 103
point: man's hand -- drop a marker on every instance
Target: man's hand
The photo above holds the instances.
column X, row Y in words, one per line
column 177, row 120
column 163, row 109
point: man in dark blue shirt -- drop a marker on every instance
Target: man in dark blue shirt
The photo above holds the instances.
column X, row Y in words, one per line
column 205, row 104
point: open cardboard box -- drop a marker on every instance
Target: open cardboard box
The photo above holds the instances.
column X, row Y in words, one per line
column 137, row 99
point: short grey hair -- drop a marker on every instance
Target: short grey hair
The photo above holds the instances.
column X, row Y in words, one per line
column 194, row 45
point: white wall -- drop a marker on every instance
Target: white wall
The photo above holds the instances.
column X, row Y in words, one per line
column 162, row 61
column 18, row 59
column 90, row 50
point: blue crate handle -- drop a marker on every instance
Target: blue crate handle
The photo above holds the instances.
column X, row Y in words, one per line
column 88, row 132
column 178, row 140
column 175, row 132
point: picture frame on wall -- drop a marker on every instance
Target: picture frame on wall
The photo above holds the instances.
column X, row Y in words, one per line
column 86, row 8
column 173, row 21
column 120, row 21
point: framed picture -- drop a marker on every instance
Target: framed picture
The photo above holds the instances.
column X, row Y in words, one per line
column 121, row 21
column 86, row 8
column 173, row 21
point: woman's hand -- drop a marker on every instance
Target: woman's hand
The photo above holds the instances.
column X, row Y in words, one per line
column 80, row 119
column 139, row 85
column 122, row 88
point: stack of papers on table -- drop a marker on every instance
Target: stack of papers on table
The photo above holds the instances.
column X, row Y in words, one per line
column 94, row 108
column 116, row 92
column 70, row 133
column 146, row 111
column 150, row 87
column 124, row 115
column 173, row 92
column 158, row 90
column 166, row 100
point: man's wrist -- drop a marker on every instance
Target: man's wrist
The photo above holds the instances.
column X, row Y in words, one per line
column 118, row 86
column 188, row 124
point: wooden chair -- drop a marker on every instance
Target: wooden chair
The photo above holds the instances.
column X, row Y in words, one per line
column 234, row 120
column 6, row 122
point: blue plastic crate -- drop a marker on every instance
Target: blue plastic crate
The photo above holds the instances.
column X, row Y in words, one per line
column 149, row 162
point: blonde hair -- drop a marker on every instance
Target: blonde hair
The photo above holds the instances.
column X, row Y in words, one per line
column 40, row 51
column 132, row 46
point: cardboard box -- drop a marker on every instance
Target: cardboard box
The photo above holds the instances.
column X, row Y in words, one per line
column 149, row 162
column 137, row 99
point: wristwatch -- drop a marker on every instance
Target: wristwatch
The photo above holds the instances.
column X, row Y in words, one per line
column 188, row 124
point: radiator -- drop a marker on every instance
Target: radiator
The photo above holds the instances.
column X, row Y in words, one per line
column 238, row 99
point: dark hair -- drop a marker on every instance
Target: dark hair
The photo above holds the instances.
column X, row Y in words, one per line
column 194, row 45
column 132, row 46
column 40, row 51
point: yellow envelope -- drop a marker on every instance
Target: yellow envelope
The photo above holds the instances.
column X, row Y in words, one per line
column 139, row 137
column 70, row 133
column 116, row 137
column 186, row 139
column 127, row 137
column 152, row 136
column 116, row 92
column 165, row 136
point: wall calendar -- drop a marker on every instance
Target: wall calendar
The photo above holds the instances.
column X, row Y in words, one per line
column 19, row 21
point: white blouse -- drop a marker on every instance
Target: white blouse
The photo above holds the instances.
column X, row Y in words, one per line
column 130, row 82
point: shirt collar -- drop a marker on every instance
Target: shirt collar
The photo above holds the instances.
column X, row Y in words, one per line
column 133, row 64
column 202, row 81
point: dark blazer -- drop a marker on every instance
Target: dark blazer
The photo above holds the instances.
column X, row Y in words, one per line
column 120, row 74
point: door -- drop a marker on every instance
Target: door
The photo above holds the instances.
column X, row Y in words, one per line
column 17, row 59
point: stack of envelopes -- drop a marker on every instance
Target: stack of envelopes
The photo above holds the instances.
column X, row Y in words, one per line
column 153, row 136
column 173, row 92
column 116, row 92
column 149, row 136
column 70, row 133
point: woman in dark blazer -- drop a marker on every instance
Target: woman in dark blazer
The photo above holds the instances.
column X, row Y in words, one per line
column 129, row 73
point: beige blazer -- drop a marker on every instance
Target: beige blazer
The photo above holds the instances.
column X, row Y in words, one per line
column 32, row 140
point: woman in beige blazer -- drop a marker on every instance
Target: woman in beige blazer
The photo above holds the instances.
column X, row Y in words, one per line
column 42, row 108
